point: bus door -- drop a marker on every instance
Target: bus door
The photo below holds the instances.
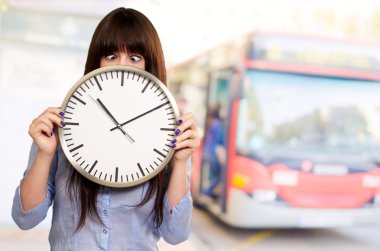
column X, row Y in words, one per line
column 215, row 137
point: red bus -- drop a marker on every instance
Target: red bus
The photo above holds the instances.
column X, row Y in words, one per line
column 301, row 127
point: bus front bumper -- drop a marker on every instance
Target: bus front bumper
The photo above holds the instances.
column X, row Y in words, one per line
column 242, row 211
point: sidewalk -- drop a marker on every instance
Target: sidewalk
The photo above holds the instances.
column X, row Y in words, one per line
column 14, row 239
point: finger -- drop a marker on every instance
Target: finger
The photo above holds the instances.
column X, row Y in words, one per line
column 187, row 124
column 184, row 118
column 188, row 134
column 55, row 110
column 52, row 118
column 39, row 128
column 191, row 144
column 42, row 125
column 47, row 130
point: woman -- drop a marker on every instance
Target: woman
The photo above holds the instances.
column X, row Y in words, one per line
column 87, row 216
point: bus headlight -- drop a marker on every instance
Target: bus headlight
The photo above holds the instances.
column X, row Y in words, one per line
column 240, row 180
column 264, row 195
column 285, row 178
column 371, row 181
column 376, row 200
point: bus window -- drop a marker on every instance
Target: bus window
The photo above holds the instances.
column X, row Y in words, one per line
column 333, row 119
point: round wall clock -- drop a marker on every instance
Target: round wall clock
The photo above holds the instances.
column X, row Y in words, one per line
column 119, row 123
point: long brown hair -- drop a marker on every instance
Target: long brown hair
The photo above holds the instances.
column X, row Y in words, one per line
column 122, row 30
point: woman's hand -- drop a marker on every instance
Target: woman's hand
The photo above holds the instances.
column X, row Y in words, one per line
column 42, row 130
column 187, row 140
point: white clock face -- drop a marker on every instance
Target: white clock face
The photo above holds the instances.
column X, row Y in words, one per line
column 120, row 121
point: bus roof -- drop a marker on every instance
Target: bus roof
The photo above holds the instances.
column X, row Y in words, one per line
column 314, row 55
column 293, row 53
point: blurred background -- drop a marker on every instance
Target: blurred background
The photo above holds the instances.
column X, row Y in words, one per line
column 285, row 93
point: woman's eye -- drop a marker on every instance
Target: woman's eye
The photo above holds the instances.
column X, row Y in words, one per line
column 111, row 57
column 135, row 58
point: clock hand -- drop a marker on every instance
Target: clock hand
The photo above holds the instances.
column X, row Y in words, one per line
column 143, row 114
column 104, row 108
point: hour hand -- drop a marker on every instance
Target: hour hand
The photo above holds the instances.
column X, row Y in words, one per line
column 109, row 114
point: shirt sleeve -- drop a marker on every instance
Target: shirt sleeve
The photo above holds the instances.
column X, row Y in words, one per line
column 176, row 225
column 31, row 218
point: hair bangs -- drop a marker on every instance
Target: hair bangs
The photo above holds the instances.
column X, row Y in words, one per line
column 123, row 36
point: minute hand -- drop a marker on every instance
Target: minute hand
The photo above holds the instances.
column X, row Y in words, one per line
column 143, row 114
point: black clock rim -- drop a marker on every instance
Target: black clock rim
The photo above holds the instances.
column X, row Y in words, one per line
column 66, row 151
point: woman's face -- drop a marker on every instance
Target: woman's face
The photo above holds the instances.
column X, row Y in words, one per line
column 123, row 58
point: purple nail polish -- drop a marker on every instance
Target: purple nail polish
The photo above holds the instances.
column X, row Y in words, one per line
column 51, row 134
column 173, row 141
column 173, row 146
column 62, row 123
column 177, row 131
column 61, row 113
column 179, row 122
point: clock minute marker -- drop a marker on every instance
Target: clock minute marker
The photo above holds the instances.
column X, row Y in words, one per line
column 75, row 97
column 122, row 78
column 76, row 148
column 70, row 101
column 167, row 129
column 143, row 90
column 141, row 170
column 93, row 165
column 71, row 123
column 97, row 82
column 160, row 153
column 116, row 173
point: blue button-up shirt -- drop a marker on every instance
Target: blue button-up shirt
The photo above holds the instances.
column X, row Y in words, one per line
column 126, row 227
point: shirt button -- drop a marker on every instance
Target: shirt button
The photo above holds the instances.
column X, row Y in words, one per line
column 105, row 211
column 104, row 231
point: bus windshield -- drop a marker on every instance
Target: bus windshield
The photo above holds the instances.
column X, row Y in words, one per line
column 285, row 117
